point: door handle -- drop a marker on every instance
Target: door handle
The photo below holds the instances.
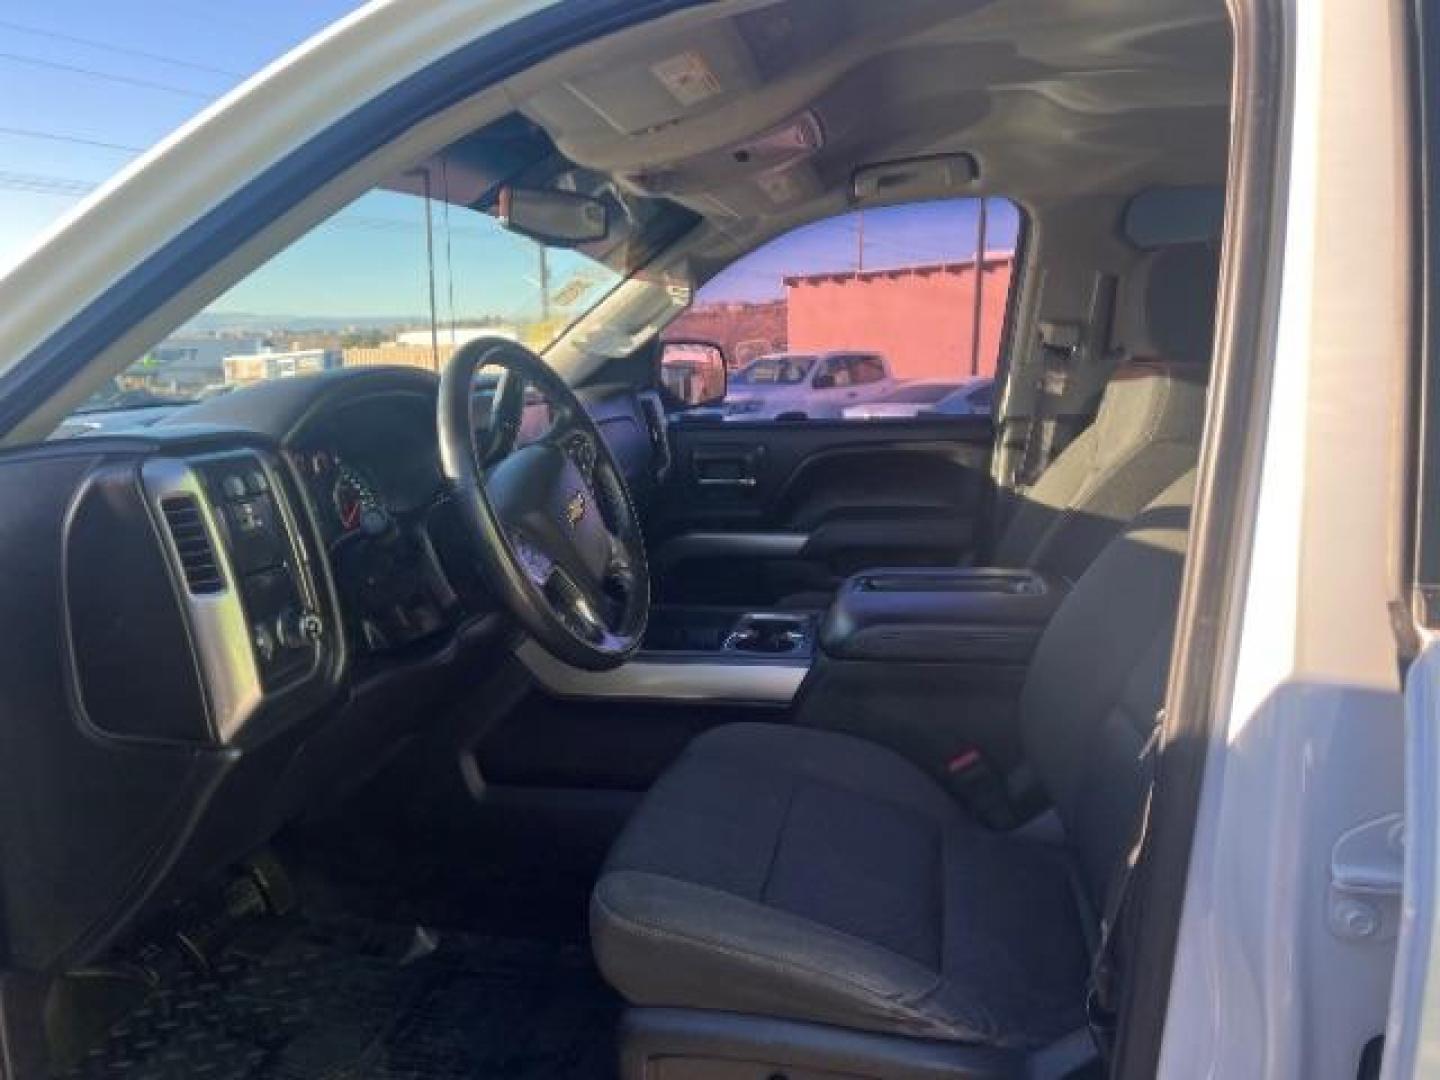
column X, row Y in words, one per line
column 727, row 481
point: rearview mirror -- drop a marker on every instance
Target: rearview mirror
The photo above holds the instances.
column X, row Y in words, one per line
column 693, row 373
column 553, row 217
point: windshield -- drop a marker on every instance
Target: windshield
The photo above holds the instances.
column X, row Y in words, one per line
column 774, row 371
column 392, row 279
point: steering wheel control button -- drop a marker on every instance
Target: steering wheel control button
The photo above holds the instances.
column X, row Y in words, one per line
column 233, row 486
column 536, row 566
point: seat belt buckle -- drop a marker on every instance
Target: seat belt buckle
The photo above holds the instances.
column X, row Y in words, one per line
column 977, row 784
column 965, row 761
column 1101, row 1022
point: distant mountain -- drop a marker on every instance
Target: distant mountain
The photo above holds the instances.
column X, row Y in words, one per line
column 239, row 322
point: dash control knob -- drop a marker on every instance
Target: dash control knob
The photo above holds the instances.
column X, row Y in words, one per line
column 297, row 629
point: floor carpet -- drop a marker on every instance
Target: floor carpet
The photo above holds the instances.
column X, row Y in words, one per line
column 351, row 998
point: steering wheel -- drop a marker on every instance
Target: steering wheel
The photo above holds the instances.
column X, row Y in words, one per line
column 551, row 522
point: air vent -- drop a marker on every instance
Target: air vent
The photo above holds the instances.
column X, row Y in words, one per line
column 192, row 543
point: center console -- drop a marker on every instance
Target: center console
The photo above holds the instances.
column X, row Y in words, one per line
column 930, row 662
column 730, row 633
column 960, row 616
column 715, row 655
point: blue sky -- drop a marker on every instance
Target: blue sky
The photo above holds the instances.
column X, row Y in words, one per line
column 85, row 85
column 877, row 239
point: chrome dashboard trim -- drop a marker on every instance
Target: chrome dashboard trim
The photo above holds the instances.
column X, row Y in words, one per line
column 774, row 684
column 217, row 623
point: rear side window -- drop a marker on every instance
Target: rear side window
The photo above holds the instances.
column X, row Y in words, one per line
column 886, row 305
column 866, row 369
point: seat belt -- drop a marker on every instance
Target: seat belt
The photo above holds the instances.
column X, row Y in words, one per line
column 1058, row 344
column 1101, row 1002
column 1062, row 343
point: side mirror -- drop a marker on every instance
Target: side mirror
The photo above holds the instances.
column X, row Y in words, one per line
column 823, row 381
column 553, row 217
column 693, row 373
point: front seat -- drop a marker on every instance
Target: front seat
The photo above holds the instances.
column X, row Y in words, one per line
column 1146, row 432
column 790, row 876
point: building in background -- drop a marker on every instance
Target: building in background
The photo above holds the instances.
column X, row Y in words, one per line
column 744, row 330
column 421, row 348
column 186, row 365
column 921, row 318
column 452, row 336
column 248, row 368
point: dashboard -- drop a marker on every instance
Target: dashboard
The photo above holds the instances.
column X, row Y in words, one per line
column 241, row 610
column 370, row 470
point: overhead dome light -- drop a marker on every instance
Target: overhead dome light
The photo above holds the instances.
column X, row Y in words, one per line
column 771, row 151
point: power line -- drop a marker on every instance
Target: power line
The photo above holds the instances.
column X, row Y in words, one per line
column 73, row 187
column 76, row 69
column 123, row 50
column 51, row 136
column 37, row 184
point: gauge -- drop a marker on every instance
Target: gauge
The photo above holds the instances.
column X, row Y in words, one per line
column 355, row 498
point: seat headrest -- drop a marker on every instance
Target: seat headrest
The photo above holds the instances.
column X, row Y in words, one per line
column 1171, row 306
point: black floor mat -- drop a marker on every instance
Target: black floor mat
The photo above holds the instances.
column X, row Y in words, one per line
column 354, row 999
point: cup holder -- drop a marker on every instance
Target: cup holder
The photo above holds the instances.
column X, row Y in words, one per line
column 769, row 634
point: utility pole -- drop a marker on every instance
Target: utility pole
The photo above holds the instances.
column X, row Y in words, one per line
column 859, row 241
column 544, row 283
column 978, row 313
column 430, row 271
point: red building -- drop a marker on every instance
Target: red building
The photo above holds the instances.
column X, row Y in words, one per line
column 920, row 317
column 743, row 330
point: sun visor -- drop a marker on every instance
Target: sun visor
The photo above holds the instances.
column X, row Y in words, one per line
column 692, row 72
column 1162, row 217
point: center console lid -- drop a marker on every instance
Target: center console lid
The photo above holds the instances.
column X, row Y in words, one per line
column 944, row 615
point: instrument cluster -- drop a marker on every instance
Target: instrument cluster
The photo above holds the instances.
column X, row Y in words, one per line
column 346, row 492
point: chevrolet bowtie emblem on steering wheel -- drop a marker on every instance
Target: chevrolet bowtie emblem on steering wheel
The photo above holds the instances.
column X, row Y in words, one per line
column 575, row 509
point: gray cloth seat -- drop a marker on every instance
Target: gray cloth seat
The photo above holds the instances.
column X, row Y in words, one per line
column 1145, row 434
column 803, row 874
column 1146, row 431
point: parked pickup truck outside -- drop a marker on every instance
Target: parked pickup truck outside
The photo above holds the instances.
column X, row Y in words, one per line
column 807, row 386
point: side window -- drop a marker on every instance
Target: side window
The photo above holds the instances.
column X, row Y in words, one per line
column 837, row 373
column 900, row 310
column 866, row 370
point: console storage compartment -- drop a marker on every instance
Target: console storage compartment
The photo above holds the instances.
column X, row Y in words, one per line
column 962, row 615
